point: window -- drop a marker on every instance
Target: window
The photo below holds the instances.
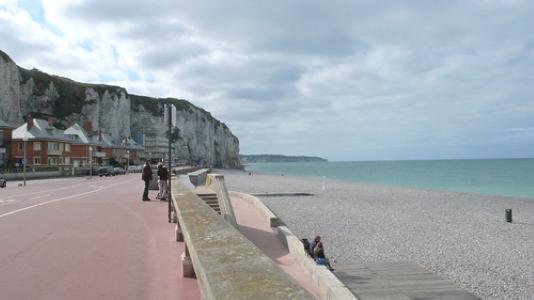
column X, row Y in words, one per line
column 67, row 147
column 61, row 147
column 53, row 161
column 2, row 156
column 36, row 146
column 20, row 146
column 67, row 160
column 53, row 146
column 36, row 160
column 1, row 136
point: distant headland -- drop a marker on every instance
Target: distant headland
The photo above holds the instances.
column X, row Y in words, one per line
column 255, row 158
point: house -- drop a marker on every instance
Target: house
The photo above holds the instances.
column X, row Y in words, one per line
column 135, row 151
column 5, row 141
column 121, row 152
column 86, row 149
column 40, row 143
column 156, row 147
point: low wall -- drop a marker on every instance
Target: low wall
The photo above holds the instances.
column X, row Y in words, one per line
column 32, row 175
column 216, row 183
column 198, row 177
column 330, row 287
column 227, row 265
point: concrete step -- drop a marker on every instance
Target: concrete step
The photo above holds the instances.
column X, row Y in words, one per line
column 211, row 200
column 206, row 195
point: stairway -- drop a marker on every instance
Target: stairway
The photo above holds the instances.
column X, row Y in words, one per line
column 211, row 199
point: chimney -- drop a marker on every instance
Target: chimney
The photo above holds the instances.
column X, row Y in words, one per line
column 88, row 126
column 29, row 122
column 50, row 122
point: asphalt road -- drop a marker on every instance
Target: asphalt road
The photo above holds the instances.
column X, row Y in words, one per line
column 88, row 239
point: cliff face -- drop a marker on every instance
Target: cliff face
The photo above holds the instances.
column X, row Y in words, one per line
column 112, row 110
column 10, row 91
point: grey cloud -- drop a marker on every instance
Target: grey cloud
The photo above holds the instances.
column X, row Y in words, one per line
column 119, row 10
column 165, row 55
column 348, row 79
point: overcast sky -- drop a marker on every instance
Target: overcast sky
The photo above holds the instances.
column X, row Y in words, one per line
column 345, row 79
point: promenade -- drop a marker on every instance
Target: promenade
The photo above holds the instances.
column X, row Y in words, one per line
column 80, row 238
column 77, row 238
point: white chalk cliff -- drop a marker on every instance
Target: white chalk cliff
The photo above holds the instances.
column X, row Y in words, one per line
column 112, row 110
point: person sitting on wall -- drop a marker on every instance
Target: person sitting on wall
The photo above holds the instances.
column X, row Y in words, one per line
column 320, row 258
column 306, row 244
column 311, row 249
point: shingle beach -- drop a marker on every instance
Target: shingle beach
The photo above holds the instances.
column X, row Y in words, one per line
column 458, row 236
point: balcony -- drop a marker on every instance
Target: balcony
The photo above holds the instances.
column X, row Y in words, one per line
column 99, row 154
column 54, row 152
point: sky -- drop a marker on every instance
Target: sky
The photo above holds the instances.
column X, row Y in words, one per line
column 345, row 79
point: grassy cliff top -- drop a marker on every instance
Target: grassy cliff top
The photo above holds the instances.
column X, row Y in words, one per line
column 155, row 106
column 71, row 94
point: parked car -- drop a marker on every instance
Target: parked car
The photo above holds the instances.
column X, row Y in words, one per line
column 105, row 171
column 133, row 169
column 118, row 171
column 3, row 182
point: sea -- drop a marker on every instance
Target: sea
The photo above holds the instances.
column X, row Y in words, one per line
column 496, row 177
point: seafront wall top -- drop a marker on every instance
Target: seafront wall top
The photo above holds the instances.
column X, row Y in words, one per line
column 227, row 265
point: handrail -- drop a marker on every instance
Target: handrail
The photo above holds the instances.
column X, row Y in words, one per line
column 226, row 264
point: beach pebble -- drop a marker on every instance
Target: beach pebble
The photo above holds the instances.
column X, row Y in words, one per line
column 459, row 236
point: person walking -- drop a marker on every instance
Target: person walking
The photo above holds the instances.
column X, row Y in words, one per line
column 146, row 177
column 163, row 176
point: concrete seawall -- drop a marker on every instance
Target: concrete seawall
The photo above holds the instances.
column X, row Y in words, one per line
column 226, row 264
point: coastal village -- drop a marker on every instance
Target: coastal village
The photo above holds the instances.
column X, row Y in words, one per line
column 38, row 143
column 302, row 150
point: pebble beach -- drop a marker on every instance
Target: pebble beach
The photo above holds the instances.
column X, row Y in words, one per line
column 459, row 236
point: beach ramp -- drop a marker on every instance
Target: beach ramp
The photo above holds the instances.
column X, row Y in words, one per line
column 397, row 281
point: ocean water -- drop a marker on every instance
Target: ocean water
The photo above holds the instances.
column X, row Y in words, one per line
column 498, row 177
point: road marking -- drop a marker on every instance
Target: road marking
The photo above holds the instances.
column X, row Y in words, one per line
column 40, row 192
column 59, row 199
column 39, row 197
column 7, row 200
column 83, row 184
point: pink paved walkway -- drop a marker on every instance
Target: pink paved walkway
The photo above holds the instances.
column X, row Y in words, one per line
column 88, row 239
column 257, row 229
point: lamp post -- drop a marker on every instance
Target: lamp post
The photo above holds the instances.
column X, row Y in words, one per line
column 90, row 162
column 127, row 161
column 24, row 139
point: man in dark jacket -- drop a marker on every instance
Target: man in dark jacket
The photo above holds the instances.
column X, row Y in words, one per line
column 147, row 176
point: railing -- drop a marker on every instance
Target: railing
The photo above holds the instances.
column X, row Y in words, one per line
column 99, row 154
column 216, row 183
column 225, row 263
column 54, row 152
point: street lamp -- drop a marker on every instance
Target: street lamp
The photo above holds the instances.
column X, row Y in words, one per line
column 24, row 139
column 90, row 162
column 127, row 161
